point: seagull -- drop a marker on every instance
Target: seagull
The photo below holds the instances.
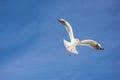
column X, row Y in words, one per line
column 71, row 46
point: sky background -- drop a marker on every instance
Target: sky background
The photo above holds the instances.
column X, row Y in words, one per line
column 31, row 39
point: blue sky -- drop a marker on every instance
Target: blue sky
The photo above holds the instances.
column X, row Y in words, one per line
column 31, row 39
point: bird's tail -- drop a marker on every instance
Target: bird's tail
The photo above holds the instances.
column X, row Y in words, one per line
column 66, row 43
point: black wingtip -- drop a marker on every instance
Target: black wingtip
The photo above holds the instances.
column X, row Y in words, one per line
column 58, row 20
column 101, row 48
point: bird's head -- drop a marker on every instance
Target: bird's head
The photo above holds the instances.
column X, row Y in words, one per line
column 77, row 41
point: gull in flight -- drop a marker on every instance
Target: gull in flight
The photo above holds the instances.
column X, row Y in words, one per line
column 71, row 46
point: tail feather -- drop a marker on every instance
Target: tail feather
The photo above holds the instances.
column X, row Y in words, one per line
column 66, row 43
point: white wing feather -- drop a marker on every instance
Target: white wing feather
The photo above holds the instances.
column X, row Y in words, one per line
column 68, row 28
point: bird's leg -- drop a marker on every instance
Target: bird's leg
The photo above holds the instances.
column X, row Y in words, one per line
column 67, row 46
column 66, row 49
column 70, row 53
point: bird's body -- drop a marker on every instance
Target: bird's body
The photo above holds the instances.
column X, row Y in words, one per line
column 71, row 46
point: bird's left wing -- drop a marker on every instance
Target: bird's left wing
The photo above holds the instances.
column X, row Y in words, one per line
column 68, row 28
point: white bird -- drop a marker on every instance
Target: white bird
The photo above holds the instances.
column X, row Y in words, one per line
column 71, row 46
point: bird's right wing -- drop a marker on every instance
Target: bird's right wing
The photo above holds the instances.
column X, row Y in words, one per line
column 92, row 43
column 87, row 42
column 68, row 28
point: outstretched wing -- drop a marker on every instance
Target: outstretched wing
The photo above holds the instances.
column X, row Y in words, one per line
column 68, row 28
column 91, row 43
column 87, row 42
